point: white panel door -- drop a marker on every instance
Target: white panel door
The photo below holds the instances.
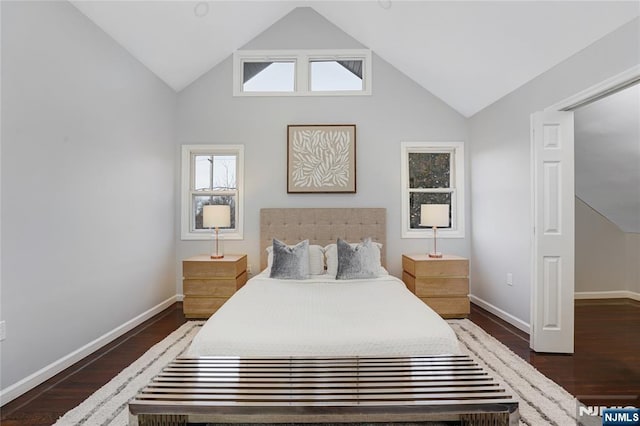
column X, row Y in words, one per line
column 553, row 232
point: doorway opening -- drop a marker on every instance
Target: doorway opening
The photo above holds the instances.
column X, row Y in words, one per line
column 607, row 196
column 553, row 192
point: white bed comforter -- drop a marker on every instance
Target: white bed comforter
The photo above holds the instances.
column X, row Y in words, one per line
column 324, row 317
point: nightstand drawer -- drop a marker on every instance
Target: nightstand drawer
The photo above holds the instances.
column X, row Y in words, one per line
column 202, row 307
column 229, row 267
column 436, row 267
column 213, row 288
column 449, row 307
column 429, row 287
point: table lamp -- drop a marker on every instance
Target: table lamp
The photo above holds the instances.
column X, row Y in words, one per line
column 434, row 215
column 216, row 216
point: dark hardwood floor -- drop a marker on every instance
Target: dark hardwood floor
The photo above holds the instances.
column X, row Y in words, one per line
column 606, row 360
column 44, row 404
column 605, row 367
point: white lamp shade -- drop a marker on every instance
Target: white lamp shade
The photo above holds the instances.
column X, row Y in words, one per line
column 434, row 215
column 216, row 216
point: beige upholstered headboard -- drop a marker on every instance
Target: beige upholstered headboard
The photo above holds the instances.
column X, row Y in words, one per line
column 321, row 226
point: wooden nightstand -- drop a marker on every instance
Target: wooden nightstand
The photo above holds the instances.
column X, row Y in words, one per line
column 208, row 283
column 442, row 283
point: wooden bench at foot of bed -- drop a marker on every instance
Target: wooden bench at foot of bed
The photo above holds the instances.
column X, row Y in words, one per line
column 323, row 390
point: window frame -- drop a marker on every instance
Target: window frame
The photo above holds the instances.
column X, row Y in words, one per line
column 456, row 149
column 302, row 74
column 187, row 219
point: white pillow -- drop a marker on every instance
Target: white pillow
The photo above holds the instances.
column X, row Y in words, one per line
column 331, row 255
column 316, row 259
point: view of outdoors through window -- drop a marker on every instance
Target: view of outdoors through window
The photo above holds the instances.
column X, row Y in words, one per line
column 429, row 183
column 336, row 75
column 268, row 76
column 214, row 182
column 325, row 76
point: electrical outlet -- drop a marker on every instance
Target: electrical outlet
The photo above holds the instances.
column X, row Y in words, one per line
column 509, row 278
column 248, row 269
column 3, row 330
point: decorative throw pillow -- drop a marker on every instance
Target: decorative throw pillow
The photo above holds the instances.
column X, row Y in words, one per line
column 290, row 263
column 331, row 254
column 361, row 261
column 316, row 259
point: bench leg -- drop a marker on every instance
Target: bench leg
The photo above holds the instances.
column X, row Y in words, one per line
column 161, row 420
column 485, row 419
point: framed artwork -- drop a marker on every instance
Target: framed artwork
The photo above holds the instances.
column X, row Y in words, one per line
column 321, row 158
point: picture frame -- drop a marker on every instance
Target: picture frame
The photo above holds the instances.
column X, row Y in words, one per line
column 321, row 158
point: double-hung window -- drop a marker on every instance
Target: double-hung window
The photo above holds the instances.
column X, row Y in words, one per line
column 432, row 173
column 211, row 174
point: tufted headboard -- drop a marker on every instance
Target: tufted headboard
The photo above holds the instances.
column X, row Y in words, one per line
column 321, row 226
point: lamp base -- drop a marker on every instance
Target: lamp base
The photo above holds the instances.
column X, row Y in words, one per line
column 436, row 255
column 217, row 251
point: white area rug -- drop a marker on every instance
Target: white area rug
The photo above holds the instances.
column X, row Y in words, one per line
column 108, row 405
column 542, row 402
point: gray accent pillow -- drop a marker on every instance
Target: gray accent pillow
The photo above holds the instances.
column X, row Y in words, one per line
column 357, row 262
column 316, row 259
column 290, row 262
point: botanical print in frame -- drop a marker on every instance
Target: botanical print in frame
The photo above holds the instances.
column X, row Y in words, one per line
column 321, row 158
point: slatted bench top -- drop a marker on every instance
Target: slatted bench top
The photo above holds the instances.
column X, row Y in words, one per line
column 314, row 390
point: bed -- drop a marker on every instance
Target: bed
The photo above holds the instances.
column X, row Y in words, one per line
column 324, row 317
column 323, row 350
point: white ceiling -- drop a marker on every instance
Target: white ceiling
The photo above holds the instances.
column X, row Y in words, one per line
column 607, row 156
column 469, row 54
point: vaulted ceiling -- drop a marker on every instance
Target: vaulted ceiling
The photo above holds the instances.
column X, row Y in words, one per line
column 469, row 54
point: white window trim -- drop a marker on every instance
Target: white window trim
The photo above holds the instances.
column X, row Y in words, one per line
column 302, row 58
column 186, row 232
column 457, row 198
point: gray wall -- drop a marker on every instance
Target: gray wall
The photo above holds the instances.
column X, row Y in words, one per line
column 606, row 257
column 88, row 172
column 500, row 171
column 601, row 263
column 399, row 110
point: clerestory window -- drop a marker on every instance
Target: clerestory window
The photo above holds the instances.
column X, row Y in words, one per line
column 302, row 73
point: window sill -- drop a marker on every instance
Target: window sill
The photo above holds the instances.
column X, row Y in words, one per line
column 317, row 93
column 192, row 236
column 429, row 234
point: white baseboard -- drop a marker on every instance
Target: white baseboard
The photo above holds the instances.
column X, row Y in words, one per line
column 619, row 294
column 514, row 321
column 15, row 390
column 521, row 325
